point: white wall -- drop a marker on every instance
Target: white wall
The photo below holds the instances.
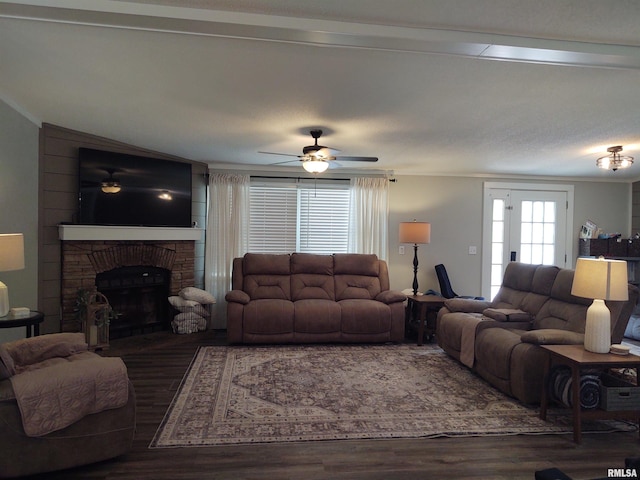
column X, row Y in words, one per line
column 19, row 203
column 453, row 206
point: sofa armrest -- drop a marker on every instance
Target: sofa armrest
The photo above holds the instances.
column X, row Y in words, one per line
column 552, row 336
column 466, row 305
column 237, row 296
column 391, row 296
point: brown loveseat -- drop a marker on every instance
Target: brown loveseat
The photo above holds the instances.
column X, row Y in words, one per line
column 306, row 298
column 61, row 405
column 500, row 339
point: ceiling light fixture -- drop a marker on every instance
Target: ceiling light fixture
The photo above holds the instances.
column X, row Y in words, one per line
column 315, row 166
column 614, row 160
column 110, row 185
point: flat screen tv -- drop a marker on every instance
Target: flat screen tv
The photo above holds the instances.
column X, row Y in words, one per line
column 130, row 190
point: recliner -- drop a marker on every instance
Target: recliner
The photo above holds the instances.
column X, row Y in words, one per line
column 446, row 290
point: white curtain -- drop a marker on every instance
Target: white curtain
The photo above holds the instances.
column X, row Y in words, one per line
column 227, row 235
column 369, row 211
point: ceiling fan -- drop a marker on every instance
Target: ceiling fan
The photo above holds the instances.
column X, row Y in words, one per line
column 317, row 158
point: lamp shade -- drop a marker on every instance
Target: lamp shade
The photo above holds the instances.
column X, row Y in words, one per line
column 415, row 232
column 601, row 279
column 11, row 252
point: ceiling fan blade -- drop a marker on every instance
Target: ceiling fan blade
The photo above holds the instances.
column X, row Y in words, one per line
column 286, row 161
column 281, row 154
column 357, row 159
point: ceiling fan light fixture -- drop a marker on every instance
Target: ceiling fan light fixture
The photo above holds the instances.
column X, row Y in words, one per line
column 110, row 184
column 614, row 161
column 315, row 166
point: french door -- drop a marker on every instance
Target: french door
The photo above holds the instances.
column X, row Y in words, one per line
column 524, row 223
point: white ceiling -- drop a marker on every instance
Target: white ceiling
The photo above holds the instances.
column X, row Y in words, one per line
column 439, row 87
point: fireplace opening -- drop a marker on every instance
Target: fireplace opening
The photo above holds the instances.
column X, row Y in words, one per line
column 138, row 296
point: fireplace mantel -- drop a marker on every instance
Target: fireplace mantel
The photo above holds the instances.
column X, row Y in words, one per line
column 99, row 232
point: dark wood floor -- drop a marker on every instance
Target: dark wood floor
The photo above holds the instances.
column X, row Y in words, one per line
column 157, row 363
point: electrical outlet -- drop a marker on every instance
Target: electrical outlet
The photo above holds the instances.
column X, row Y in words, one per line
column 473, row 250
column 401, row 250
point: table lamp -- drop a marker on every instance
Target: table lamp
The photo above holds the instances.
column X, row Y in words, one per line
column 11, row 258
column 600, row 280
column 416, row 233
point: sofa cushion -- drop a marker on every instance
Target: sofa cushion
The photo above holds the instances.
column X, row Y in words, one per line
column 310, row 263
column 268, row 316
column 356, row 286
column 519, row 276
column 260, row 263
column 365, row 316
column 516, row 285
column 307, row 285
column 317, row 316
column 541, row 286
column 493, row 350
column 268, row 286
column 356, row 264
column 552, row 336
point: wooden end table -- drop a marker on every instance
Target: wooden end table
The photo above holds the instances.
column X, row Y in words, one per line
column 577, row 358
column 419, row 309
column 31, row 321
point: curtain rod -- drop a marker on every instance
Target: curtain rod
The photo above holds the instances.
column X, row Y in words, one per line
column 393, row 180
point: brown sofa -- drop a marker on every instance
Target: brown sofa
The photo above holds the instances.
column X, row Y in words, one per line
column 306, row 298
column 500, row 339
column 40, row 442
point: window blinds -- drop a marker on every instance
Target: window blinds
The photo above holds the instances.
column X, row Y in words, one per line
column 299, row 218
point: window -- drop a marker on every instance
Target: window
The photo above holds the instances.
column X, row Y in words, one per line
column 299, row 217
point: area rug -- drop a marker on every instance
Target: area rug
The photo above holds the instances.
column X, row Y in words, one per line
column 260, row 394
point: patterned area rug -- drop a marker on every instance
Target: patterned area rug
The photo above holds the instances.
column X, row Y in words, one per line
column 241, row 395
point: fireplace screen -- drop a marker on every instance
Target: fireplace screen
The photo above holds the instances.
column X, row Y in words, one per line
column 138, row 296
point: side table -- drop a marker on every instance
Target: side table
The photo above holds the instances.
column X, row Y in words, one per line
column 31, row 322
column 419, row 309
column 577, row 358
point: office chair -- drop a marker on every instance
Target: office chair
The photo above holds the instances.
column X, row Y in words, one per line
column 446, row 290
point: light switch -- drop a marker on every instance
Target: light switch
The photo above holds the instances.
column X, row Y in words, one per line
column 401, row 249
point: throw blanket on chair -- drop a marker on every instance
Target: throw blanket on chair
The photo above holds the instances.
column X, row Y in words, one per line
column 468, row 343
column 57, row 396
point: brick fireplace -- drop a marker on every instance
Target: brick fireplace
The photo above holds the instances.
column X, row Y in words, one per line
column 84, row 260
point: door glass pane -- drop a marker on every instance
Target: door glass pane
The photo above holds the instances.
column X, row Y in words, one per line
column 527, row 211
column 537, row 227
column 538, row 211
column 496, row 253
column 497, row 243
column 498, row 210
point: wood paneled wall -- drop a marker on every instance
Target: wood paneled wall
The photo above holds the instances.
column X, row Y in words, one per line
column 58, row 202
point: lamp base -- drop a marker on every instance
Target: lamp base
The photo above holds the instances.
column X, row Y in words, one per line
column 597, row 330
column 4, row 300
